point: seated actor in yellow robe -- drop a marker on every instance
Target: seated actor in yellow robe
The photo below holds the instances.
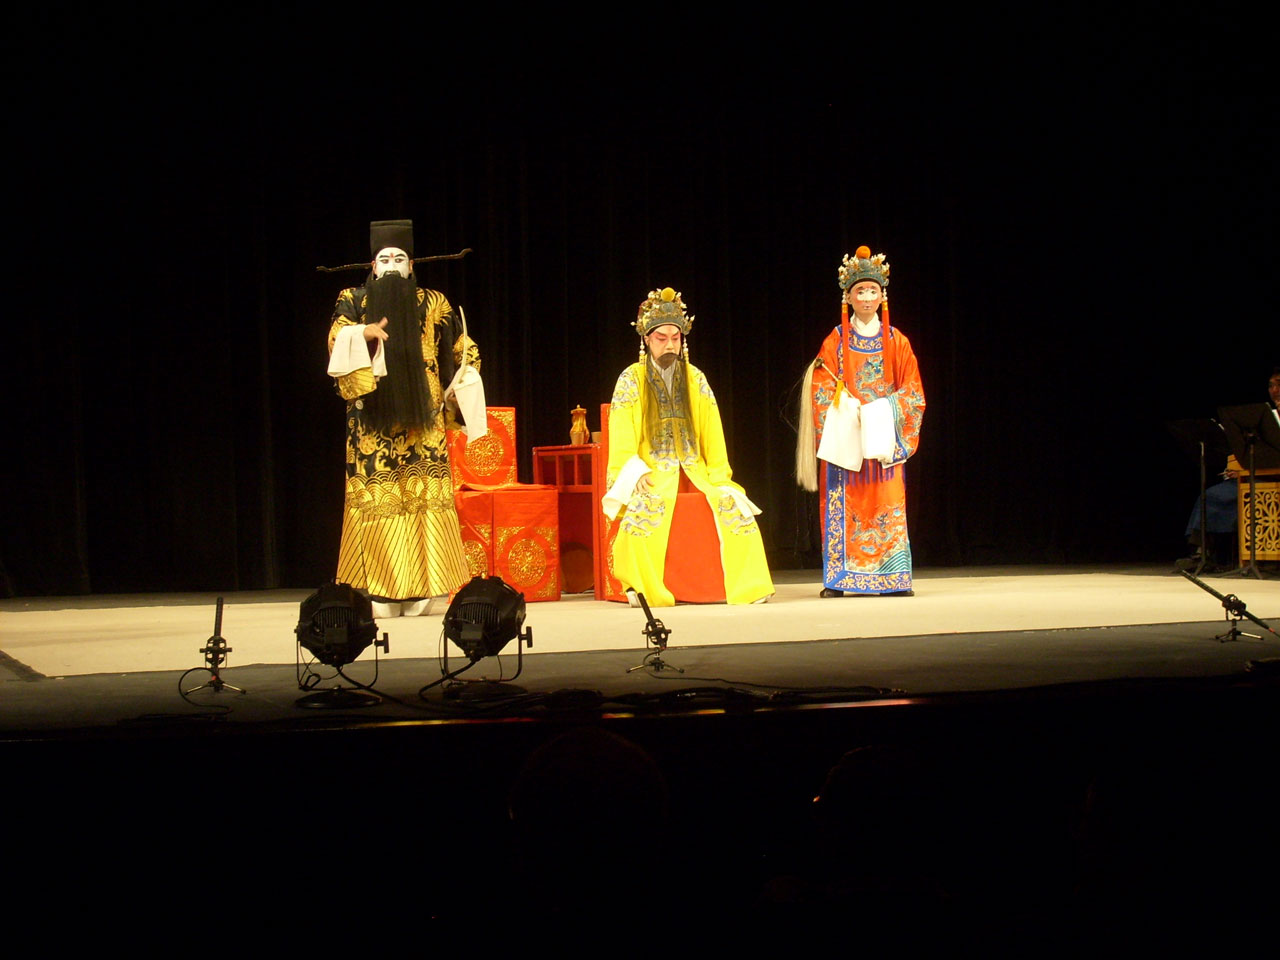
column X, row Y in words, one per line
column 664, row 424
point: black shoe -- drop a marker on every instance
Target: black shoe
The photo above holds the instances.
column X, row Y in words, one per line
column 900, row 593
column 828, row 592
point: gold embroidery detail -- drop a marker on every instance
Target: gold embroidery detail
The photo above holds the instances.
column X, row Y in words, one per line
column 477, row 558
column 505, row 417
column 357, row 383
column 484, row 455
column 644, row 515
column 527, row 562
column 423, row 487
column 1268, row 495
column 731, row 517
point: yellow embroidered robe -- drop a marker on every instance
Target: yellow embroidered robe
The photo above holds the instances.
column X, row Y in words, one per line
column 640, row 548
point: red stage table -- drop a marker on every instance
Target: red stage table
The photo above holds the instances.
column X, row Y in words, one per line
column 508, row 528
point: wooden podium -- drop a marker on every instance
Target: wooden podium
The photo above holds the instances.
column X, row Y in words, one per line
column 1266, row 487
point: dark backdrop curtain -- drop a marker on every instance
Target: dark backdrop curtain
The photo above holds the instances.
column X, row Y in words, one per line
column 1075, row 262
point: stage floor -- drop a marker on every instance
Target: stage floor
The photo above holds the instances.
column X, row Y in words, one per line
column 90, row 660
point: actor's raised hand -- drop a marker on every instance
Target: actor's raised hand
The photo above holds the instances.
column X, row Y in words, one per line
column 376, row 331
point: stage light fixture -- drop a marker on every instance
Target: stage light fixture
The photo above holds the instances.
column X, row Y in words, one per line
column 335, row 625
column 484, row 616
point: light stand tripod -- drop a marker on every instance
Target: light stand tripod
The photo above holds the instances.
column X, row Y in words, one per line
column 215, row 653
column 1235, row 612
column 655, row 633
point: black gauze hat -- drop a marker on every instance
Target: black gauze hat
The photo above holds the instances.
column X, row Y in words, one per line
column 390, row 233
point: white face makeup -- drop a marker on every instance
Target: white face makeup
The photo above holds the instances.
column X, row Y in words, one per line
column 865, row 297
column 391, row 260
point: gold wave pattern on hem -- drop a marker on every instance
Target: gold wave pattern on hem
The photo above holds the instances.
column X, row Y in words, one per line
column 400, row 535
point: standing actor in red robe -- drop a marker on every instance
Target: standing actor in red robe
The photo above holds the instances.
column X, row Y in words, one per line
column 862, row 407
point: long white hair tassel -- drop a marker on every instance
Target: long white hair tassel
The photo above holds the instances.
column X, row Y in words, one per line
column 806, row 448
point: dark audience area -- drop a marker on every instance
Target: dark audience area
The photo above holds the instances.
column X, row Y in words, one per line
column 1087, row 800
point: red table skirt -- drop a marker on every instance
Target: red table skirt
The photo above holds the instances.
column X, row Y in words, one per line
column 513, row 533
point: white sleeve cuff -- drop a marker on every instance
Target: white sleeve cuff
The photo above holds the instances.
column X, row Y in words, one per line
column 351, row 353
column 620, row 493
column 468, row 391
column 743, row 503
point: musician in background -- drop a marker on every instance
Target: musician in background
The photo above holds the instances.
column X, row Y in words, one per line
column 1218, row 547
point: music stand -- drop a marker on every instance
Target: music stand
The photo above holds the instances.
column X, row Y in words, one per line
column 1253, row 431
column 1200, row 437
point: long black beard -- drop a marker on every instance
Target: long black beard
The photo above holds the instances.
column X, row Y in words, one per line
column 402, row 399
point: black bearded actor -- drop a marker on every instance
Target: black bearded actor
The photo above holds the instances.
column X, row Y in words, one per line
column 394, row 348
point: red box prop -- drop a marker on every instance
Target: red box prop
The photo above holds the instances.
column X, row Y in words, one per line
column 512, row 531
column 491, row 460
column 515, row 534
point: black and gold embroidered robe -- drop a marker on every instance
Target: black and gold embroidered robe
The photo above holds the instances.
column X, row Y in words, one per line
column 400, row 535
